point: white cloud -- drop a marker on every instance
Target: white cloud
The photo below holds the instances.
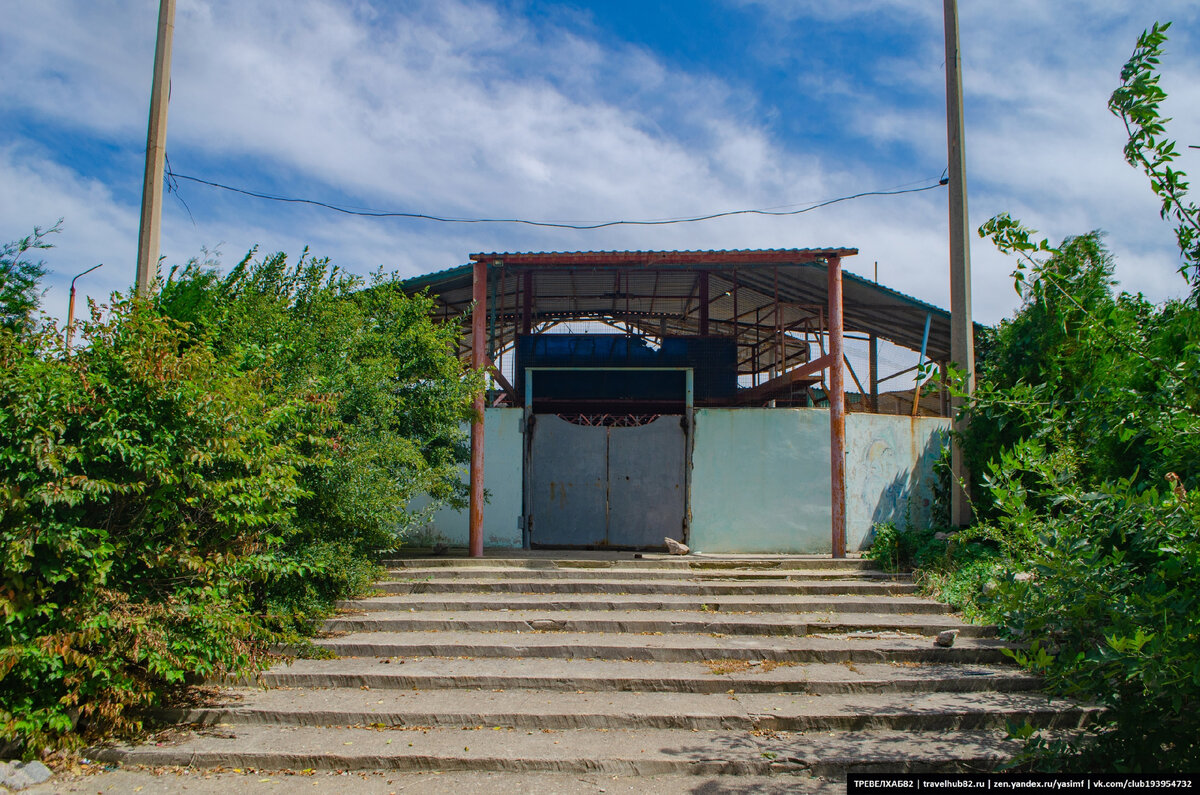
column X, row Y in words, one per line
column 462, row 108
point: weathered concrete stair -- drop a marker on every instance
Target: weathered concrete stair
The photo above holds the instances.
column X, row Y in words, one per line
column 628, row 666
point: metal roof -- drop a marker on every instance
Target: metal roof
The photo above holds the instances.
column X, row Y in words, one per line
column 661, row 259
column 657, row 292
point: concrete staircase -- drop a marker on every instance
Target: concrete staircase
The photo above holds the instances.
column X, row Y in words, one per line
column 607, row 663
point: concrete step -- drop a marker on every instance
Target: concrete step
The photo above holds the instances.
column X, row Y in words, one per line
column 648, row 560
column 828, row 648
column 613, row 586
column 649, row 621
column 645, row 752
column 711, row 676
column 535, row 709
column 908, row 605
column 632, row 573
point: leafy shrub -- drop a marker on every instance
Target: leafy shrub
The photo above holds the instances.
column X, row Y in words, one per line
column 146, row 483
column 396, row 391
column 1086, row 401
column 900, row 549
column 207, row 472
column 1111, row 615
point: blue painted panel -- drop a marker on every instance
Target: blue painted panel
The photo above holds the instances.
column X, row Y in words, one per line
column 760, row 481
column 889, row 471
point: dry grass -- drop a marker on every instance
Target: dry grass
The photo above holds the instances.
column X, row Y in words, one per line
column 722, row 667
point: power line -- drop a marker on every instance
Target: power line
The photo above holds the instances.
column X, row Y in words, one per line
column 447, row 220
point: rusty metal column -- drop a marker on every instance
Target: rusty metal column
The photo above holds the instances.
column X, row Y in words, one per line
column 703, row 303
column 478, row 334
column 837, row 409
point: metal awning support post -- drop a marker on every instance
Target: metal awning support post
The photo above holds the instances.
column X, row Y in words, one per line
column 527, row 302
column 837, row 409
column 478, row 359
column 873, row 373
column 920, row 364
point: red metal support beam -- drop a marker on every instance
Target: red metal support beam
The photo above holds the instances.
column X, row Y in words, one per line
column 837, row 409
column 504, row 383
column 767, row 389
column 478, row 362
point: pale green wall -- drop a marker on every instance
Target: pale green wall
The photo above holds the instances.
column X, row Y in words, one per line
column 889, row 471
column 760, row 477
column 503, row 481
column 760, row 481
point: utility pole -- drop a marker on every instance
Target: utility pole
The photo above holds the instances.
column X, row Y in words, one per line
column 156, row 150
column 962, row 341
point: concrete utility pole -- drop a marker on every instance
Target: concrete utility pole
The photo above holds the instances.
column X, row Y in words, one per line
column 156, row 150
column 962, row 340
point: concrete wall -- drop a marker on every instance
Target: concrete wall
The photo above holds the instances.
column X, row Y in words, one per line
column 760, row 478
column 889, row 471
column 502, row 480
column 760, row 481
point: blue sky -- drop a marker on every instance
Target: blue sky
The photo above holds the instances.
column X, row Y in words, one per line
column 582, row 112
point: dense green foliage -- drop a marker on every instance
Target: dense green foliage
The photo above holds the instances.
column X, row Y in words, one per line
column 204, row 474
column 397, row 394
column 1107, row 384
column 1087, row 411
column 1136, row 103
column 1084, row 436
column 19, row 278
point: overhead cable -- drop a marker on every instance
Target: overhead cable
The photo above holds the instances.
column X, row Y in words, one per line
column 552, row 224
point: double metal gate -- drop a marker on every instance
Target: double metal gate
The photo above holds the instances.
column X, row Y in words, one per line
column 605, row 485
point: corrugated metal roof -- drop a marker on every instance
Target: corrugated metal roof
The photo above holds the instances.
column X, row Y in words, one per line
column 659, row 258
column 657, row 290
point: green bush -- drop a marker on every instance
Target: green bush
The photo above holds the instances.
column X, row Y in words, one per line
column 147, row 483
column 398, row 395
column 207, row 472
column 1111, row 615
column 1086, row 404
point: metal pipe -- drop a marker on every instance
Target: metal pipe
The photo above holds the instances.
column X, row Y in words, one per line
column 71, row 306
column 920, row 362
column 837, row 410
column 478, row 332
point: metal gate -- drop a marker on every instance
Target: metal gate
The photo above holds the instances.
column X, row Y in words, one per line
column 606, row 485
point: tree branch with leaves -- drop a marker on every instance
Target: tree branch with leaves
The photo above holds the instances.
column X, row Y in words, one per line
column 1136, row 103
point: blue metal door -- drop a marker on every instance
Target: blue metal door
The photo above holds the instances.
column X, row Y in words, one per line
column 606, row 486
column 646, row 483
